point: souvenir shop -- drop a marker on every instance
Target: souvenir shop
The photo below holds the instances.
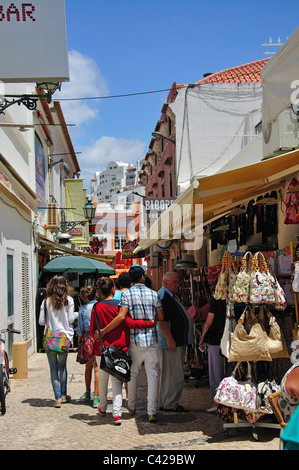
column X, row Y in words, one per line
column 253, row 270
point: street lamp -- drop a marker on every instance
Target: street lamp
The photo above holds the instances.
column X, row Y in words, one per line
column 49, row 89
column 161, row 136
column 89, row 213
column 89, row 210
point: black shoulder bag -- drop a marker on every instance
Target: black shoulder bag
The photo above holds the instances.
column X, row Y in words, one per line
column 114, row 361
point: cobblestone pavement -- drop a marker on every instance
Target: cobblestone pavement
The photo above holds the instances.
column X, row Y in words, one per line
column 32, row 423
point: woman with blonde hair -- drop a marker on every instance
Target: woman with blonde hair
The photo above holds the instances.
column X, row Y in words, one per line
column 57, row 313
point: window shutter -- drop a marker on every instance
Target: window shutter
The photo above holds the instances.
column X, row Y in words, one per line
column 25, row 297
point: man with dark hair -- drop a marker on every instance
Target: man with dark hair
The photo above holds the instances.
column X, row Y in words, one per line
column 124, row 282
column 141, row 303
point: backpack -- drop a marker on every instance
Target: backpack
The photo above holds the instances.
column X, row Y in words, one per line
column 85, row 348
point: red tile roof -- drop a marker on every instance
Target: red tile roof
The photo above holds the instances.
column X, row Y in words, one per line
column 242, row 73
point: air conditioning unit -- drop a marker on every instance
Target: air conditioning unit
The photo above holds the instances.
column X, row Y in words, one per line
column 53, row 216
column 281, row 135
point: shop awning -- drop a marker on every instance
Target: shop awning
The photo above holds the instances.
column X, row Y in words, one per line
column 78, row 264
column 280, row 79
column 56, row 249
column 219, row 194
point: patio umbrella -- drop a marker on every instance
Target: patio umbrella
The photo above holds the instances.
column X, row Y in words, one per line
column 78, row 264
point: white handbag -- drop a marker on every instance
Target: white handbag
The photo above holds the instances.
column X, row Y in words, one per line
column 237, row 394
column 229, row 327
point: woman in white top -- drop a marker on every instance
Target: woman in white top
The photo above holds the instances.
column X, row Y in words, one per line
column 58, row 315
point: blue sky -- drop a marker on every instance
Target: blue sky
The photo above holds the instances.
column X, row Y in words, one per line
column 132, row 46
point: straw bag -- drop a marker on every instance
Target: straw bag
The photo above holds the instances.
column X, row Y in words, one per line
column 261, row 282
column 241, row 288
column 237, row 394
column 248, row 346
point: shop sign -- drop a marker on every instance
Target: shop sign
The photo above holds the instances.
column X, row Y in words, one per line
column 121, row 263
column 93, row 228
column 32, row 53
column 154, row 207
column 76, row 232
column 128, row 250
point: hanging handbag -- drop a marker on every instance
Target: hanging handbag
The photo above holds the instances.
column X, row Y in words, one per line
column 229, row 414
column 232, row 277
column 241, row 288
column 229, row 327
column 279, row 295
column 261, row 282
column 222, row 286
column 237, row 394
column 248, row 346
column 220, row 292
column 274, row 338
column 114, row 361
column 85, row 348
column 205, row 308
column 55, row 341
column 264, row 389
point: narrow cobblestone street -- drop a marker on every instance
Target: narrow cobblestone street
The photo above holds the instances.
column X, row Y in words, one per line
column 32, row 423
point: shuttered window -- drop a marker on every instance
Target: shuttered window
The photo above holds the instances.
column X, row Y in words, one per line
column 25, row 297
column 10, row 287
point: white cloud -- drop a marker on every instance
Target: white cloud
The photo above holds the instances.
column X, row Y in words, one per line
column 86, row 81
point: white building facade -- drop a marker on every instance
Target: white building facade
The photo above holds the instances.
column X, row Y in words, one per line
column 117, row 177
column 29, row 142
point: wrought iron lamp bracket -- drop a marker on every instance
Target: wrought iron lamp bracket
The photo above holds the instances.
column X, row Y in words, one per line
column 26, row 100
column 66, row 226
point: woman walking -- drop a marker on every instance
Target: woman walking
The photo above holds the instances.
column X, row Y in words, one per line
column 106, row 310
column 57, row 313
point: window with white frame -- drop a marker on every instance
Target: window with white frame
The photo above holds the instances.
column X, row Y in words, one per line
column 120, row 238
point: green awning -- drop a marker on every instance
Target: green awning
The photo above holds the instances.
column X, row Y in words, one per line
column 78, row 264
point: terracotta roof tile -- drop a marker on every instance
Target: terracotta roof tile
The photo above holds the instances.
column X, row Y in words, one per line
column 242, row 73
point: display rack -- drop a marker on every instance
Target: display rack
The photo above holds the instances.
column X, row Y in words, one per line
column 267, row 420
column 246, row 424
